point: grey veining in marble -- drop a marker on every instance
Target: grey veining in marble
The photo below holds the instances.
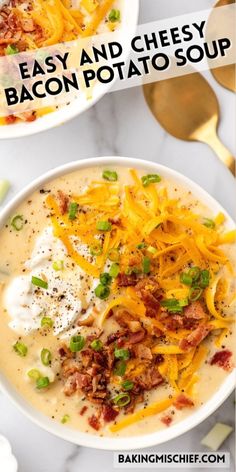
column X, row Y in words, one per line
column 120, row 124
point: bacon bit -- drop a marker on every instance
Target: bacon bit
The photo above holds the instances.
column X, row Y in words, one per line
column 109, row 413
column 195, row 311
column 167, row 420
column 143, row 352
column 183, row 402
column 148, row 290
column 195, row 338
column 159, row 359
column 83, row 410
column 63, row 202
column 149, row 379
column 124, row 280
column 10, row 119
column 135, row 338
column 94, row 422
column 88, row 321
column 27, row 25
column 222, row 359
column 114, row 336
column 29, row 116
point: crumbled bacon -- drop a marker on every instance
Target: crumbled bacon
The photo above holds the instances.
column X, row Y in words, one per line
column 83, row 410
column 149, row 379
column 28, row 25
column 115, row 336
column 195, row 311
column 64, row 351
column 94, row 422
column 183, row 402
column 124, row 280
column 135, row 338
column 194, row 338
column 109, row 413
column 142, row 352
column 222, row 359
column 149, row 292
column 10, row 119
column 167, row 420
column 63, row 201
column 126, row 320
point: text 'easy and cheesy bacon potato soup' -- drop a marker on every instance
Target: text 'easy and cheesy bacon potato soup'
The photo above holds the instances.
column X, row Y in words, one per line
column 117, row 301
column 28, row 25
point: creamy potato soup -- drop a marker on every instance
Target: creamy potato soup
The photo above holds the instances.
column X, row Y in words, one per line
column 117, row 301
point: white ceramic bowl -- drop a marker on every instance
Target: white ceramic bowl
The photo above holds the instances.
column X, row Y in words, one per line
column 147, row 439
column 130, row 10
column 7, row 460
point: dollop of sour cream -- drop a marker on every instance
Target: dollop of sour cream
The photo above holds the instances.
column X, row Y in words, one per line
column 61, row 301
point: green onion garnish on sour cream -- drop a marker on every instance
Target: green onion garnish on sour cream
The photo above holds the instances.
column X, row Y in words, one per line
column 39, row 282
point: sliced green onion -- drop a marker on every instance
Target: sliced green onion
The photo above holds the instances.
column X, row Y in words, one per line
column 173, row 305
column 104, row 226
column 194, row 272
column 65, row 419
column 96, row 345
column 105, row 278
column 204, row 278
column 11, row 49
column 4, row 187
column 128, row 385
column 96, row 250
column 20, row 348
column 183, row 302
column 195, row 293
column 46, row 322
column 114, row 270
column 146, row 265
column 152, row 249
column 102, row 291
column 58, row 265
column 39, row 282
column 150, row 179
column 110, row 175
column 46, row 357
column 132, row 270
column 122, row 354
column 34, row 374
column 114, row 255
column 120, row 368
column 122, row 400
column 186, row 279
column 77, row 343
column 209, row 223
column 217, row 436
column 141, row 246
column 73, row 208
column 17, row 222
column 42, row 382
column 114, row 15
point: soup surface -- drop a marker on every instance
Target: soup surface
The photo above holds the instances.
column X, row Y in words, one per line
column 117, row 301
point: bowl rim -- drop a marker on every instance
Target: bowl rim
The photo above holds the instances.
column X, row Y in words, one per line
column 86, row 439
column 67, row 113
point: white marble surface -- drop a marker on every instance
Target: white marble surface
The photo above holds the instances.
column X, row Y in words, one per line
column 120, row 124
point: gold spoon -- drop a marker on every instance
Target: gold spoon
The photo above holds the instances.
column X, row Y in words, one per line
column 188, row 109
column 225, row 75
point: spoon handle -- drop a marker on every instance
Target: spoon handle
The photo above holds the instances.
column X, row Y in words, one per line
column 222, row 152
